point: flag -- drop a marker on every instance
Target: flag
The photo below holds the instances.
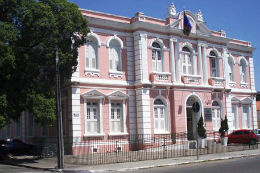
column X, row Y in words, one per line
column 186, row 25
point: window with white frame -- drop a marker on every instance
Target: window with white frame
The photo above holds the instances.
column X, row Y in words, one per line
column 116, row 117
column 45, row 129
column 213, row 64
column 30, row 124
column 234, row 116
column 243, row 74
column 230, row 69
column 159, row 116
column 157, row 57
column 246, row 116
column 91, row 53
column 92, row 117
column 115, row 56
column 8, row 130
column 216, row 115
column 186, row 61
column 18, row 127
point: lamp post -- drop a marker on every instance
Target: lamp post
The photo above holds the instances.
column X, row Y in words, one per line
column 60, row 144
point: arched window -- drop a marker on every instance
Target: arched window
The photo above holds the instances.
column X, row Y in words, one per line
column 157, row 57
column 159, row 116
column 243, row 74
column 231, row 69
column 214, row 64
column 115, row 56
column 216, row 115
column 91, row 53
column 187, row 61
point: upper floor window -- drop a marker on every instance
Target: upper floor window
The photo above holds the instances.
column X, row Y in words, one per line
column 157, row 57
column 246, row 117
column 115, row 55
column 186, row 61
column 243, row 74
column 214, row 64
column 230, row 69
column 91, row 53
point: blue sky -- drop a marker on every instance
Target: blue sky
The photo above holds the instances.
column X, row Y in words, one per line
column 239, row 18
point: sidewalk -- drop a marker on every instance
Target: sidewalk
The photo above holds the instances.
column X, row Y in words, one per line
column 50, row 164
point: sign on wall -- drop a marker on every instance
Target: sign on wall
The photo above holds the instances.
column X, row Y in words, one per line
column 208, row 114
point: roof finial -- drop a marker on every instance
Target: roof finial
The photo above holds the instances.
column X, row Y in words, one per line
column 172, row 9
column 200, row 16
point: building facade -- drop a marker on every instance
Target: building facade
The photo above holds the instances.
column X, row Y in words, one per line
column 141, row 75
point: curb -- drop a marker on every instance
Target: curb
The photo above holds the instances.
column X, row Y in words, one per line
column 129, row 169
column 176, row 164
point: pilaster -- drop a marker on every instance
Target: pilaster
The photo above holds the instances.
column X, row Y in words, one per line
column 141, row 63
column 225, row 66
column 200, row 62
column 178, row 64
column 255, row 124
column 252, row 73
column 205, row 64
column 172, row 58
column 143, row 111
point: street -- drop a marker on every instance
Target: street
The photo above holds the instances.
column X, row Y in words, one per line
column 14, row 169
column 240, row 165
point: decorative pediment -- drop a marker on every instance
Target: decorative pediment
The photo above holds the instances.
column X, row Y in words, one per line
column 235, row 99
column 196, row 20
column 93, row 94
column 246, row 100
column 118, row 95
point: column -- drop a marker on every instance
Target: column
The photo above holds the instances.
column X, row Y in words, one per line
column 141, row 64
column 172, row 59
column 200, row 62
column 225, row 66
column 178, row 64
column 205, row 65
column 252, row 73
column 254, row 113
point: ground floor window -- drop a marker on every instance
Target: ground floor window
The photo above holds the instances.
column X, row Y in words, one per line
column 18, row 128
column 116, row 117
column 92, row 116
column 30, row 124
column 216, row 118
column 246, row 116
column 159, row 116
column 8, row 130
column 234, row 116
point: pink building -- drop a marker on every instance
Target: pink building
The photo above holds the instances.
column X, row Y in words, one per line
column 141, row 75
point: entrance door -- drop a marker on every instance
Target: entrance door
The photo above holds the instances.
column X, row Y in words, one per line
column 189, row 123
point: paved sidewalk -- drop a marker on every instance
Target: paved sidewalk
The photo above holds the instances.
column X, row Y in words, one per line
column 50, row 164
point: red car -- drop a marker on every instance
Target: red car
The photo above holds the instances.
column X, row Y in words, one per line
column 242, row 136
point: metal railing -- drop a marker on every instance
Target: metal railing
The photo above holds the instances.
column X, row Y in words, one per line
column 131, row 148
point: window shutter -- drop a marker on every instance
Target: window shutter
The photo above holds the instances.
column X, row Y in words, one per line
column 87, row 55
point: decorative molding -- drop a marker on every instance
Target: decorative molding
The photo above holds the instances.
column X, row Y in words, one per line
column 172, row 10
column 244, row 85
column 242, row 58
column 92, row 72
column 116, row 74
column 199, row 16
column 116, row 38
column 159, row 41
column 91, row 34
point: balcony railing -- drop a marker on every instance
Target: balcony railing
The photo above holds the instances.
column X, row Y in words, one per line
column 216, row 81
column 161, row 77
column 191, row 79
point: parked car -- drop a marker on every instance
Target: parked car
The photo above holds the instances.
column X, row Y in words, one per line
column 242, row 136
column 257, row 132
column 15, row 146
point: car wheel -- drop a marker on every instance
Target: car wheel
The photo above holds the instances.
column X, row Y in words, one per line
column 252, row 142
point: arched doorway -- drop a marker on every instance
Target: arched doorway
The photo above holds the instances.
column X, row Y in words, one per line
column 192, row 117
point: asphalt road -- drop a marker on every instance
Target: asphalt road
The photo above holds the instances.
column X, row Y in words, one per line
column 241, row 165
column 16, row 169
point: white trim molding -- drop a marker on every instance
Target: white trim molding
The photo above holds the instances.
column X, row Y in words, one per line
column 116, row 38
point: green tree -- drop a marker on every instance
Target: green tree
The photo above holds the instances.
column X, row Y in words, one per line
column 201, row 129
column 29, row 32
column 223, row 127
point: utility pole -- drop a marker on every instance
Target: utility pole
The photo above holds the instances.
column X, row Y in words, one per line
column 60, row 145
